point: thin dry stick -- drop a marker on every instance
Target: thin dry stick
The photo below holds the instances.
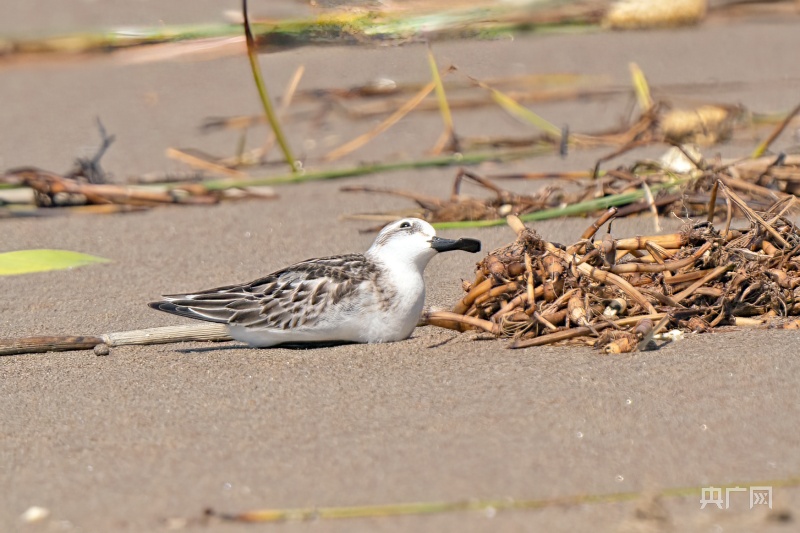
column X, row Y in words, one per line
column 512, row 107
column 759, row 151
column 752, row 188
column 789, row 203
column 595, row 227
column 558, row 302
column 580, row 332
column 728, row 217
column 361, row 140
column 687, row 276
column 520, row 299
column 752, row 215
column 659, row 254
column 543, row 321
column 641, row 88
column 712, row 202
column 197, row 160
column 699, row 283
column 427, row 202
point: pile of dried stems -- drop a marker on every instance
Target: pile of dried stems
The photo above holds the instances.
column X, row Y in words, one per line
column 620, row 292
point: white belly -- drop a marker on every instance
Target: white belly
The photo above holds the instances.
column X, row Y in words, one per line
column 362, row 319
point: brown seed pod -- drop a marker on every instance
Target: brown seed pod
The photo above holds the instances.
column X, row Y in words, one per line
column 515, row 269
column 643, row 328
column 495, row 267
column 519, row 316
column 697, row 324
column 609, row 249
column 768, row 248
column 624, row 344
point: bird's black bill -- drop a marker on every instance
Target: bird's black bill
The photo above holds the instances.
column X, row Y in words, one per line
column 446, row 245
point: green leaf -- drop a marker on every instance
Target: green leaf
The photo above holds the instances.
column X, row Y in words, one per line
column 27, row 261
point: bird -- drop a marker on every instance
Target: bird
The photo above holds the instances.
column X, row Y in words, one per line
column 373, row 297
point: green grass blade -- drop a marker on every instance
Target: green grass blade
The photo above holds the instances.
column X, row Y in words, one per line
column 272, row 118
column 481, row 505
column 460, row 159
column 27, row 261
column 641, row 88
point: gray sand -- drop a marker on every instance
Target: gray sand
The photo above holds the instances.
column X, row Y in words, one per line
column 124, row 442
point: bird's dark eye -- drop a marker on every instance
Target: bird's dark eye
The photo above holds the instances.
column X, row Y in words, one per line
column 405, row 225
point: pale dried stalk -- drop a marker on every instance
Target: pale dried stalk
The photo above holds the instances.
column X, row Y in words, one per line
column 361, row 140
column 671, row 241
column 543, row 321
column 516, row 224
column 445, row 319
column 168, row 334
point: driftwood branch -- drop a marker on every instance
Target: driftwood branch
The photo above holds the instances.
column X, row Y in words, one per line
column 164, row 335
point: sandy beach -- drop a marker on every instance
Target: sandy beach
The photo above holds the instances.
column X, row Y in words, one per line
column 148, row 436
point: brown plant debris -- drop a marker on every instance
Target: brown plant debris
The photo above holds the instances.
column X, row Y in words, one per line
column 619, row 293
column 86, row 189
column 757, row 182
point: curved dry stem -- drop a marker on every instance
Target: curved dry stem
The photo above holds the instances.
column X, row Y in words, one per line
column 444, row 319
column 477, row 290
column 595, row 227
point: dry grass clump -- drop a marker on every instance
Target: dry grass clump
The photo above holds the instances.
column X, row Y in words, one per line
column 620, row 292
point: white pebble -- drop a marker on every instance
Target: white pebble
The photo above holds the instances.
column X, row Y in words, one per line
column 35, row 514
